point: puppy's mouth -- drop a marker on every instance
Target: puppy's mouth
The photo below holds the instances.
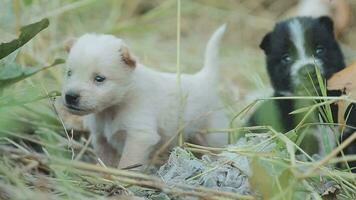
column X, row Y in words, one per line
column 76, row 110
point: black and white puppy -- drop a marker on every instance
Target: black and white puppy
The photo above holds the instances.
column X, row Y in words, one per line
column 294, row 49
column 295, row 46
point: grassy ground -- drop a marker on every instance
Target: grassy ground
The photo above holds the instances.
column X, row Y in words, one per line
column 149, row 27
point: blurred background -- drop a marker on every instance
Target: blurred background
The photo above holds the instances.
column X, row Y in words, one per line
column 149, row 27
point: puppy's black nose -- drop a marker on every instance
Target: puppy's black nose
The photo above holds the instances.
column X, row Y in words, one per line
column 72, row 98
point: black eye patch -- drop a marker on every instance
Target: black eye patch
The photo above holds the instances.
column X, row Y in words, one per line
column 286, row 59
column 99, row 79
column 320, row 50
column 69, row 73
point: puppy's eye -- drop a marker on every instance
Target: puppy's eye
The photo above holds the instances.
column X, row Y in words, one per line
column 99, row 79
column 320, row 50
column 69, row 73
column 286, row 59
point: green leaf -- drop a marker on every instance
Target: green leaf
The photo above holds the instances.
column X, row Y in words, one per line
column 12, row 73
column 28, row 2
column 261, row 180
column 269, row 114
column 301, row 110
column 292, row 135
column 27, row 33
column 17, row 98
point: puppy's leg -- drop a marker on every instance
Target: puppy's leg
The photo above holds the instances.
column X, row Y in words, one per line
column 105, row 151
column 138, row 147
column 217, row 121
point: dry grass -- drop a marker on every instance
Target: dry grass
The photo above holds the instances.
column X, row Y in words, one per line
column 150, row 28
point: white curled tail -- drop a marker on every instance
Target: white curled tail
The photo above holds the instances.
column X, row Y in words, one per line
column 314, row 8
column 212, row 52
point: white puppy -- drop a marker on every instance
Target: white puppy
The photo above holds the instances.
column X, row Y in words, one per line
column 124, row 100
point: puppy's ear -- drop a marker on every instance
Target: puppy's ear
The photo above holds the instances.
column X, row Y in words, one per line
column 266, row 43
column 68, row 44
column 126, row 57
column 328, row 23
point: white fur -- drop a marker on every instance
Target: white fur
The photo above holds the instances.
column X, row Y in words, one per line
column 314, row 8
column 297, row 34
column 139, row 103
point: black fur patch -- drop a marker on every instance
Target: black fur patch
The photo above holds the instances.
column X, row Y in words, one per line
column 350, row 119
column 317, row 34
column 276, row 44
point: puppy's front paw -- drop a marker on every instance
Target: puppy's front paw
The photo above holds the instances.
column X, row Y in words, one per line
column 137, row 149
column 106, row 152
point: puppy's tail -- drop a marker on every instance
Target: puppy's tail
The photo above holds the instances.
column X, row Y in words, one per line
column 212, row 52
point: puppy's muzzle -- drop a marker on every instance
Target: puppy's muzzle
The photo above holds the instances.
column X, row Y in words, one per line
column 72, row 98
column 308, row 79
column 306, row 71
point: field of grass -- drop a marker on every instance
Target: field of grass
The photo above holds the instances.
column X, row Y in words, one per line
column 39, row 159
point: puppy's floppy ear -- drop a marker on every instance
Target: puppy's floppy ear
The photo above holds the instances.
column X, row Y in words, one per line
column 327, row 22
column 68, row 44
column 266, row 43
column 126, row 57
